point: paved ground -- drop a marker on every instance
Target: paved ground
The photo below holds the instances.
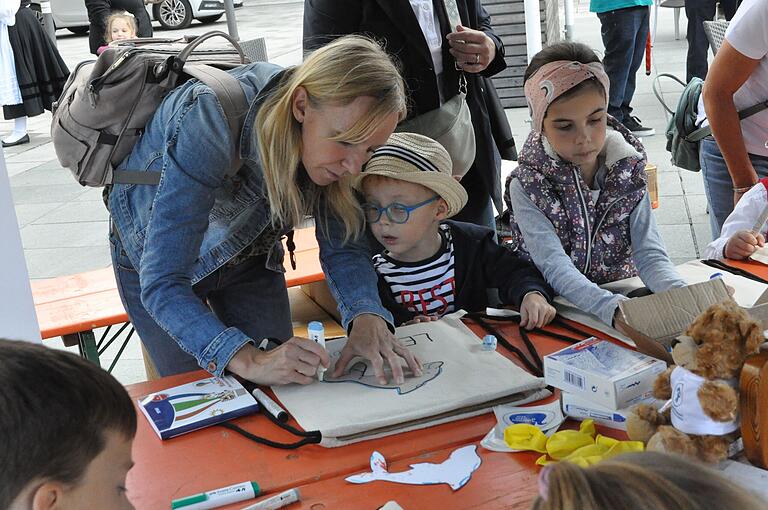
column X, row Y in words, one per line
column 63, row 226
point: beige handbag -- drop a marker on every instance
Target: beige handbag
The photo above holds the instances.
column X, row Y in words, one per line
column 451, row 126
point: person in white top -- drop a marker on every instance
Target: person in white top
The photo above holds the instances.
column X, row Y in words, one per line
column 737, row 156
column 738, row 239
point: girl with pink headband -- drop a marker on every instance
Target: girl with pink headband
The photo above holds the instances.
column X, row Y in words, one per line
column 578, row 202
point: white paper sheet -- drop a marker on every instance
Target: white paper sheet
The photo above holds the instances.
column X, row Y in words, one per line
column 694, row 271
column 746, row 294
column 455, row 471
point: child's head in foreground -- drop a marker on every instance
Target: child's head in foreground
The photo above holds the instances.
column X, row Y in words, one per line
column 567, row 93
column 409, row 190
column 66, row 429
column 640, row 481
column 121, row 26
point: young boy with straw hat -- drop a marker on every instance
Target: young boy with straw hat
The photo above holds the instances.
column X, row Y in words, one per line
column 430, row 265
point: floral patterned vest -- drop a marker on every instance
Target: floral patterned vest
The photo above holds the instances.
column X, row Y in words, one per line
column 595, row 234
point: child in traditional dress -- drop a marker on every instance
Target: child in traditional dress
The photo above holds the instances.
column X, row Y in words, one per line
column 431, row 266
column 578, row 199
column 39, row 70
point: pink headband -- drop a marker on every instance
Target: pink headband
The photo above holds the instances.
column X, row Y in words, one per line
column 555, row 79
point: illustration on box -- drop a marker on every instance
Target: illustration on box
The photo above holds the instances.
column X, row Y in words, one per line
column 361, row 371
column 195, row 405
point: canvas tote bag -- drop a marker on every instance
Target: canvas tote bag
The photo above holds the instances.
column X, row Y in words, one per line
column 460, row 380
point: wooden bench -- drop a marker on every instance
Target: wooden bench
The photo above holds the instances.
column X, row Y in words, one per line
column 73, row 306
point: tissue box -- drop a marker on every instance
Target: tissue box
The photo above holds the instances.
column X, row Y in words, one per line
column 602, row 372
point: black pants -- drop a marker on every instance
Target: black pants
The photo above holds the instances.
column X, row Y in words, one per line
column 624, row 33
column 697, row 12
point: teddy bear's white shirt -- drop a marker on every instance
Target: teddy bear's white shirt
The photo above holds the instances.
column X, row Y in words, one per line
column 687, row 414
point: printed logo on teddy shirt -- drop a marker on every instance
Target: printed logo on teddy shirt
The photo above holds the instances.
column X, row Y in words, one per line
column 687, row 414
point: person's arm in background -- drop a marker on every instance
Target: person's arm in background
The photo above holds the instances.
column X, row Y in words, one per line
column 498, row 63
column 478, row 50
column 326, row 20
column 653, row 265
column 557, row 267
column 742, row 219
column 98, row 12
column 728, row 72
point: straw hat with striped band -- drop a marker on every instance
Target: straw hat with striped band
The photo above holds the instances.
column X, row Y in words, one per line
column 416, row 158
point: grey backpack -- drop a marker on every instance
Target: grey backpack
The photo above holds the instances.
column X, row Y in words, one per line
column 106, row 103
column 683, row 135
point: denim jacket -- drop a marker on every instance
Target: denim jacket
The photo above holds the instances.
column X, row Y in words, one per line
column 196, row 219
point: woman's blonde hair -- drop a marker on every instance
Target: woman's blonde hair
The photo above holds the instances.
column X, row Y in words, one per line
column 335, row 74
column 639, row 481
column 123, row 15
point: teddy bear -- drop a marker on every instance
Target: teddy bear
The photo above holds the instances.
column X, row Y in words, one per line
column 700, row 418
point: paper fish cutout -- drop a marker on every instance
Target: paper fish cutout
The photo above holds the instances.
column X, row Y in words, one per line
column 455, row 471
column 362, row 373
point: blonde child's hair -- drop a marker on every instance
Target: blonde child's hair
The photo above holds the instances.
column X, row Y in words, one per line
column 335, row 74
column 640, row 481
column 123, row 15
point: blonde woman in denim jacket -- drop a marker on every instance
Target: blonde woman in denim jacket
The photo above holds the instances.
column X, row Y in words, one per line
column 198, row 257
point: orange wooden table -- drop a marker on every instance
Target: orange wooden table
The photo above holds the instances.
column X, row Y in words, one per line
column 73, row 306
column 215, row 457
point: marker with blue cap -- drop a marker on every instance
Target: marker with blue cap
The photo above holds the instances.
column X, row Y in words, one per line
column 218, row 497
column 316, row 333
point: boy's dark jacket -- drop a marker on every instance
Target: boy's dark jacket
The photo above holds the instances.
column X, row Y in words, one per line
column 479, row 264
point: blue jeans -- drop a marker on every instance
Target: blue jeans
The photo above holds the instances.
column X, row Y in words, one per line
column 624, row 33
column 718, row 185
column 698, row 11
column 246, row 296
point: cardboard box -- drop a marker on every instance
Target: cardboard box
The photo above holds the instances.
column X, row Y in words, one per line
column 582, row 408
column 652, row 322
column 607, row 374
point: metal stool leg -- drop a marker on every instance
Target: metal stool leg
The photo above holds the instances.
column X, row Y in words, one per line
column 86, row 342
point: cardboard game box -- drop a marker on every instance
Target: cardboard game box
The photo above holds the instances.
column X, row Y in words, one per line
column 652, row 322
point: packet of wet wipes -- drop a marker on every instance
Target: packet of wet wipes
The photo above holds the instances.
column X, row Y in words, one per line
column 547, row 417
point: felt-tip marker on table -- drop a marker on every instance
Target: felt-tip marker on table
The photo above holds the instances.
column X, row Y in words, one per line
column 275, row 502
column 270, row 405
column 218, row 497
column 316, row 332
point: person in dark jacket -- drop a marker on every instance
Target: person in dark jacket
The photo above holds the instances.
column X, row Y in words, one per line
column 429, row 50
column 429, row 266
column 100, row 10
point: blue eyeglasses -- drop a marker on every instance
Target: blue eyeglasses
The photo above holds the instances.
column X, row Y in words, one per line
column 397, row 213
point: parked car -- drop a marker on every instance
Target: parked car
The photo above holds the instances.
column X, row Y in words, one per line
column 173, row 14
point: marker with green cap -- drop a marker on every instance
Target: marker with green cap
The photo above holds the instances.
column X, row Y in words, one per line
column 218, row 497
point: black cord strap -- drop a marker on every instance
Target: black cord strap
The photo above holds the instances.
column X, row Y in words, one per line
column 535, row 364
column 532, row 366
column 718, row 264
column 309, row 437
